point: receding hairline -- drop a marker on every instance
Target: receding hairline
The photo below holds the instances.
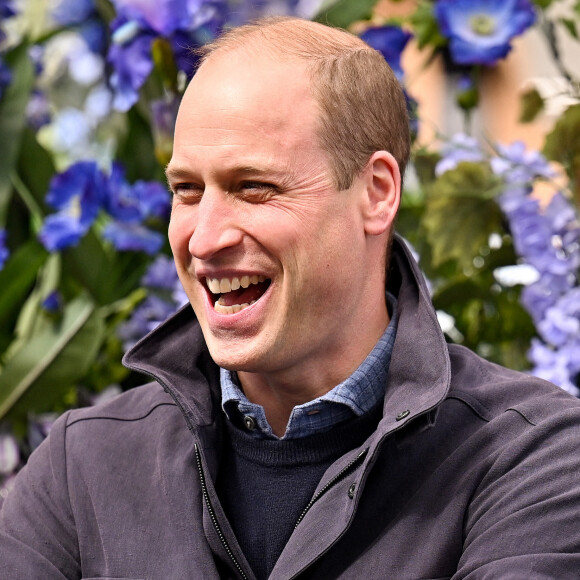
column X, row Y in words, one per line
column 275, row 35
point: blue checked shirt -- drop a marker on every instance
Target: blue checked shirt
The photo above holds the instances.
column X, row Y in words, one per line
column 356, row 395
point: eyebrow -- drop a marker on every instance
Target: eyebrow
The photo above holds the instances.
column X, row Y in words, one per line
column 178, row 173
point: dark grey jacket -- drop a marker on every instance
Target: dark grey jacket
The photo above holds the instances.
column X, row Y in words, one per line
column 473, row 472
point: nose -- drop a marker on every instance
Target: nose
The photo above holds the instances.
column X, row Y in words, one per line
column 216, row 227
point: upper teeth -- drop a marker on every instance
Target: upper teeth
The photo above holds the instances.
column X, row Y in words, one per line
column 221, row 285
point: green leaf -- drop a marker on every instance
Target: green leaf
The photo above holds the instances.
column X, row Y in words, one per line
column 39, row 374
column 106, row 274
column 424, row 162
column 570, row 26
column 461, row 214
column 35, row 168
column 16, row 281
column 563, row 143
column 425, row 26
column 543, row 3
column 531, row 104
column 136, row 151
column 13, row 118
column 344, row 12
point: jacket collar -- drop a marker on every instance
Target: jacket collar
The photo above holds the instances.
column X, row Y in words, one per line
column 175, row 354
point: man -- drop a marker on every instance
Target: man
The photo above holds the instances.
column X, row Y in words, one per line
column 342, row 436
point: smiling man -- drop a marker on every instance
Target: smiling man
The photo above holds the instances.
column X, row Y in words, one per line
column 307, row 419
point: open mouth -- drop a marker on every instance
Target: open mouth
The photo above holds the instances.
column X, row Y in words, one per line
column 230, row 295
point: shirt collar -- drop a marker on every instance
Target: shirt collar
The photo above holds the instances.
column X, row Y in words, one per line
column 356, row 395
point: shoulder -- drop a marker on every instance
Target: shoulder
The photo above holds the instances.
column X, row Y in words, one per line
column 492, row 390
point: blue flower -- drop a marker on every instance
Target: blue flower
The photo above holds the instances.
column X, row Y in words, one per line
column 78, row 194
column 138, row 202
column 390, row 41
column 132, row 63
column 7, row 9
column 184, row 24
column 4, row 252
column 53, row 302
column 131, row 206
column 480, row 31
column 5, row 76
column 133, row 237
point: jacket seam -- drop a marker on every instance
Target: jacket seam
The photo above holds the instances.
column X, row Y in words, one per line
column 523, row 415
column 66, row 478
column 122, row 419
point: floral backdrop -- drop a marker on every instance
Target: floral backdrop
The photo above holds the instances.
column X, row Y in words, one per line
column 88, row 95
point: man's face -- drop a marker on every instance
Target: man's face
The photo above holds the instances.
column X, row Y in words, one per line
column 272, row 257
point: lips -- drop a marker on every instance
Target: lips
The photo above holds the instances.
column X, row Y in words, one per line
column 230, row 295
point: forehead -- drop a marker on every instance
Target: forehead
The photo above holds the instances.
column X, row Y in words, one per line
column 256, row 97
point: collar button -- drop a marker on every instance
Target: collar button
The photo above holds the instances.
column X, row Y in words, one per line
column 250, row 423
column 402, row 415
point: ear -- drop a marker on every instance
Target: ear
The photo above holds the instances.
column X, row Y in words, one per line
column 382, row 193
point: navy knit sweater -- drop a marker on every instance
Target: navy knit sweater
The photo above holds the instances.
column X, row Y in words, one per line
column 264, row 485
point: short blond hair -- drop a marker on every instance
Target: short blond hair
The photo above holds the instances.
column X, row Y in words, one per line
column 362, row 105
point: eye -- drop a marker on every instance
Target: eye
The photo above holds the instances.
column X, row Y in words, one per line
column 187, row 192
column 257, row 191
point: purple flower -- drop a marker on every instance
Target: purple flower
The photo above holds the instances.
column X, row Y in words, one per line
column 71, row 12
column 133, row 237
column 38, row 110
column 78, row 194
column 480, row 31
column 541, row 295
column 518, row 165
column 165, row 296
column 4, row 252
column 556, row 366
column 147, row 316
column 163, row 116
column 161, row 274
column 458, row 149
column 390, row 41
column 561, row 323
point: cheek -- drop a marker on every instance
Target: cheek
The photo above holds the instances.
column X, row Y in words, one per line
column 179, row 233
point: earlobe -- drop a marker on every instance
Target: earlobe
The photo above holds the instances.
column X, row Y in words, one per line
column 383, row 193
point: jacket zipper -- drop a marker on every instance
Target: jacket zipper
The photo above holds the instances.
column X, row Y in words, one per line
column 338, row 477
column 202, row 479
column 213, row 516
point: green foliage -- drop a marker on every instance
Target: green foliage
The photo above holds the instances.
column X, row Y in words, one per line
column 343, row 13
column 461, row 214
column 563, row 143
column 55, row 355
column 570, row 26
column 425, row 26
column 531, row 105
column 13, row 119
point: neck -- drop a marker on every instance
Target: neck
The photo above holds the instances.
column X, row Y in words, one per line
column 278, row 392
